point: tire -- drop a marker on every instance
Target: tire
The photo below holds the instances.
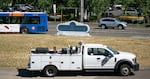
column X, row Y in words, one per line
column 24, row 30
column 125, row 70
column 50, row 71
column 103, row 26
column 120, row 27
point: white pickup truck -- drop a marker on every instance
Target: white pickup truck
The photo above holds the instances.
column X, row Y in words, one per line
column 85, row 57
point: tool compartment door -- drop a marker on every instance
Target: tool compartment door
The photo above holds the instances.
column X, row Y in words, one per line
column 65, row 62
column 76, row 62
column 35, row 62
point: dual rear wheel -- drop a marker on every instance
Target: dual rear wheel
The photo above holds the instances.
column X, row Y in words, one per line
column 50, row 71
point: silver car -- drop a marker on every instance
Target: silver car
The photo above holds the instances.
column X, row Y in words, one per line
column 105, row 23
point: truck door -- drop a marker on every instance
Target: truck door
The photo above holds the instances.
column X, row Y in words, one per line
column 96, row 59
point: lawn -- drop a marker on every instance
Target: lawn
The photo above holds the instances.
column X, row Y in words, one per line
column 14, row 48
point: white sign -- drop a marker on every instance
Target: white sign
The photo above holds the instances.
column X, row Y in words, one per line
column 54, row 8
column 73, row 28
column 9, row 27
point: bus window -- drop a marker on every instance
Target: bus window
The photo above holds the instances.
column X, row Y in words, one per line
column 1, row 20
column 6, row 20
column 15, row 20
column 9, row 20
column 30, row 20
column 35, row 20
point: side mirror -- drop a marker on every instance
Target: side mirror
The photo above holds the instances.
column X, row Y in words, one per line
column 106, row 54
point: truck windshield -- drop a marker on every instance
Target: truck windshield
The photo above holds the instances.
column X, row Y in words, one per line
column 113, row 50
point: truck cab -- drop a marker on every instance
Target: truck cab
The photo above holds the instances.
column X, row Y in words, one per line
column 85, row 57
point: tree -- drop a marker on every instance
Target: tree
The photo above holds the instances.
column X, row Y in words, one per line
column 125, row 3
column 145, row 7
column 98, row 6
column 73, row 3
column 4, row 3
column 95, row 6
column 45, row 5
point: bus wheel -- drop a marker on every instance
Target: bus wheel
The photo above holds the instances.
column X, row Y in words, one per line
column 24, row 30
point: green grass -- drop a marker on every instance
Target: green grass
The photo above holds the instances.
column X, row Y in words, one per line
column 15, row 48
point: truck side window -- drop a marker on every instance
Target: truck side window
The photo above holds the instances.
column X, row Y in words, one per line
column 97, row 51
column 90, row 51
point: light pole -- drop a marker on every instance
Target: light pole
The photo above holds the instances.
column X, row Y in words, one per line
column 82, row 11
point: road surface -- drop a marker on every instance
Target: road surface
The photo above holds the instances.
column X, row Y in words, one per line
column 131, row 31
column 24, row 74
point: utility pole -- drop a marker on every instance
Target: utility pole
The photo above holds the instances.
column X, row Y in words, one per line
column 82, row 11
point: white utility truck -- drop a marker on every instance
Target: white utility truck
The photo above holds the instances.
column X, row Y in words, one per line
column 85, row 57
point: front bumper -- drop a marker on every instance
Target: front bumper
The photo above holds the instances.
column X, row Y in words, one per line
column 136, row 67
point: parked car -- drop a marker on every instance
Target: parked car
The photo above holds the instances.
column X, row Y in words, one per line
column 106, row 23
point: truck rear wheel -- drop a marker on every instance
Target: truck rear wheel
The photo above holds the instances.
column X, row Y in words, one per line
column 50, row 71
column 125, row 70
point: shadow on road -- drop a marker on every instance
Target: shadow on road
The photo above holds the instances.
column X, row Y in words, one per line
column 86, row 74
column 26, row 73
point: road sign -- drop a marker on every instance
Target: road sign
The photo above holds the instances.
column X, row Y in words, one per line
column 73, row 28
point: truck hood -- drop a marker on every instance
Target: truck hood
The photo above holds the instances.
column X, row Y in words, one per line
column 127, row 54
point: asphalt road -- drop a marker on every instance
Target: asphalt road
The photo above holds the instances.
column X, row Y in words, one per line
column 130, row 31
column 24, row 74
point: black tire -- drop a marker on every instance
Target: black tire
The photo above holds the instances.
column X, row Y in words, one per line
column 50, row 71
column 24, row 30
column 120, row 27
column 103, row 26
column 125, row 70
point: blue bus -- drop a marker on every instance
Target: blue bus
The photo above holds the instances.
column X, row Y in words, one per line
column 29, row 22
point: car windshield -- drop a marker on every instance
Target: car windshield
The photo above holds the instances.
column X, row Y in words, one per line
column 113, row 50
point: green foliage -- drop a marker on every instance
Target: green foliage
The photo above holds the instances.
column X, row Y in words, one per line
column 95, row 6
column 98, row 6
column 45, row 5
column 73, row 3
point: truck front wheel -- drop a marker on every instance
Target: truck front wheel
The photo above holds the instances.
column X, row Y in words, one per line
column 125, row 70
column 50, row 71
